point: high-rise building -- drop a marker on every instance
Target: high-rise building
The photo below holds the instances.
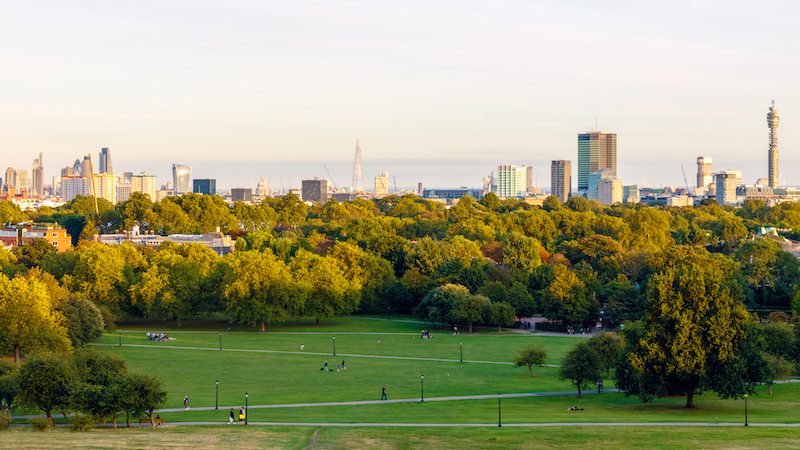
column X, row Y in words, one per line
column 529, row 185
column 242, row 195
column 609, row 191
column 561, row 179
column 67, row 171
column 704, row 174
column 124, row 191
column 105, row 161
column 596, row 150
column 511, row 181
column 630, row 193
column 382, row 184
column 144, row 183
column 205, row 186
column 358, row 170
column 77, row 168
column 10, row 176
column 772, row 121
column 727, row 182
column 594, row 180
column 315, row 190
column 125, row 177
column 181, row 178
column 73, row 186
column 86, row 166
column 105, row 186
column 21, row 181
column 37, row 177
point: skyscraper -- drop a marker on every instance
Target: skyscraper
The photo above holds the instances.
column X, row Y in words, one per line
column 315, row 190
column 181, row 178
column 207, row 186
column 609, row 191
column 86, row 166
column 727, row 181
column 594, row 182
column 561, row 179
column 382, row 184
column 511, row 181
column 704, row 174
column 105, row 161
column 358, row 171
column 37, row 177
column 773, row 117
column 144, row 183
column 10, row 176
column 596, row 150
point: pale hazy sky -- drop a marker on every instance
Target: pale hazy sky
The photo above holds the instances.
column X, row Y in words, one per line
column 438, row 91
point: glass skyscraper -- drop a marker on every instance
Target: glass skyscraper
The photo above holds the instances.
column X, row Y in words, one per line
column 596, row 150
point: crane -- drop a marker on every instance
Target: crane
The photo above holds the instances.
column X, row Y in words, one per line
column 685, row 180
column 329, row 174
column 395, row 184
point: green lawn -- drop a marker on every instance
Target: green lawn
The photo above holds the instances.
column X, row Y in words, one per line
column 252, row 437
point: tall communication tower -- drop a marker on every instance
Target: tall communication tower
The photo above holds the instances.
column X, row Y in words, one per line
column 358, row 171
column 772, row 121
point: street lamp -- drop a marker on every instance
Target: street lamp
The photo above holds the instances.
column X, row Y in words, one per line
column 387, row 313
column 220, row 342
column 462, row 351
column 499, row 410
column 745, row 410
column 422, row 388
column 334, row 346
column 119, row 332
column 216, row 401
column 245, row 409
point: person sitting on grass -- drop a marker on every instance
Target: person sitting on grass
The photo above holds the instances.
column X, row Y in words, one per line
column 574, row 408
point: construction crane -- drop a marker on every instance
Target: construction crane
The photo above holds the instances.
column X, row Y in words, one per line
column 395, row 184
column 329, row 174
column 685, row 180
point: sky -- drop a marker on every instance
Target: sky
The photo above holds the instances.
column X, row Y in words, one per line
column 438, row 92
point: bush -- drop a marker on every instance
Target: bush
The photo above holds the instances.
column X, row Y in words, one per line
column 83, row 422
column 39, row 423
column 4, row 425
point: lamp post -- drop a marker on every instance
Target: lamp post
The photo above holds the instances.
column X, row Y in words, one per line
column 334, row 346
column 499, row 411
column 387, row 313
column 216, row 401
column 745, row 410
column 119, row 333
column 245, row 409
column 422, row 388
column 220, row 342
column 462, row 351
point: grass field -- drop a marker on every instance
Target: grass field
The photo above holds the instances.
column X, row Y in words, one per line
column 597, row 438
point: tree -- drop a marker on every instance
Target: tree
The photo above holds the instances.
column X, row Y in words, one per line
column 778, row 369
column 580, row 366
column 138, row 396
column 28, row 318
column 436, row 305
column 521, row 253
column 499, row 313
column 329, row 292
column 468, row 309
column 694, row 325
column 84, row 321
column 565, row 298
column 44, row 382
column 9, row 386
column 608, row 347
column 532, row 355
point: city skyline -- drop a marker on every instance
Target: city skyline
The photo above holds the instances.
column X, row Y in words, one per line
column 283, row 89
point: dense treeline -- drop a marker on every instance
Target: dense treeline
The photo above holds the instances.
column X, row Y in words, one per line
column 566, row 261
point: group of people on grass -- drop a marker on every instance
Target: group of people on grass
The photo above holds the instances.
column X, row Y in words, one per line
column 339, row 367
column 232, row 419
column 158, row 337
column 426, row 335
column 571, row 330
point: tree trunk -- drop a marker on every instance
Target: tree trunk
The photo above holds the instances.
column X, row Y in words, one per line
column 530, row 369
column 115, row 420
column 608, row 373
column 579, row 391
column 50, row 418
column 690, row 399
column 470, row 328
column 179, row 321
column 262, row 326
column 317, row 320
column 16, row 354
column 499, row 330
column 128, row 420
column 153, row 424
column 769, row 385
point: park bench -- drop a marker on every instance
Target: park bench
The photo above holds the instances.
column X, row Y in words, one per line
column 155, row 421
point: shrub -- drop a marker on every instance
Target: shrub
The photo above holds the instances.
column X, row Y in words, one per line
column 83, row 422
column 4, row 425
column 39, row 423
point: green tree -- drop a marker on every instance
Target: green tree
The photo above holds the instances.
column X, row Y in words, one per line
column 778, row 369
column 44, row 383
column 436, row 305
column 521, row 253
column 84, row 321
column 9, row 386
column 566, row 300
column 581, row 367
column 530, row 355
column 608, row 347
column 468, row 309
column 500, row 313
column 329, row 291
column 427, row 256
column 28, row 318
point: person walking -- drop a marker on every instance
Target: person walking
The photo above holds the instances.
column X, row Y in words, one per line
column 241, row 414
column 383, row 395
column 186, row 402
column 344, row 367
column 599, row 385
column 326, row 365
column 232, row 419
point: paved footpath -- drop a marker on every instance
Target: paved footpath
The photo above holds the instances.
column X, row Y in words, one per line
column 349, row 355
column 474, row 425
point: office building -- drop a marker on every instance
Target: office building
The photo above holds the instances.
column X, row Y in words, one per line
column 773, row 117
column 67, row 171
column 680, row 201
column 594, row 179
column 56, row 186
column 37, row 178
column 86, row 166
column 125, row 177
column 242, row 195
column 452, row 194
column 205, row 186
column 727, row 182
column 315, row 190
column 21, row 181
column 73, row 186
column 704, row 174
column 181, row 178
column 596, row 150
column 105, row 186
column 124, row 191
column 511, row 181
column 630, row 193
column 9, row 178
column 382, row 184
column 609, row 191
column 561, row 179
column 144, row 183
column 105, row 161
